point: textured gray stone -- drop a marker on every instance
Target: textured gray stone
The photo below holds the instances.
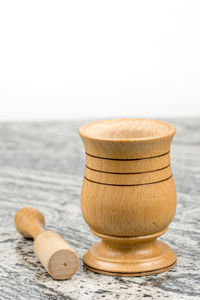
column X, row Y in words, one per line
column 42, row 165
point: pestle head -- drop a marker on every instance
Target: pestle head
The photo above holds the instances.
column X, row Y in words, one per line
column 56, row 255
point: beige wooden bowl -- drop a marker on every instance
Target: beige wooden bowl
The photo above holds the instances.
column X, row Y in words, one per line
column 128, row 195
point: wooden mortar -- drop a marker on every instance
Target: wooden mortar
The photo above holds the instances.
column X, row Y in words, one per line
column 128, row 195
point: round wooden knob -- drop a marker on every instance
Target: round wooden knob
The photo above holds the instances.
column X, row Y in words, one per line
column 29, row 222
column 55, row 254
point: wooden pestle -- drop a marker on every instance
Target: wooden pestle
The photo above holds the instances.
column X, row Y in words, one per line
column 55, row 254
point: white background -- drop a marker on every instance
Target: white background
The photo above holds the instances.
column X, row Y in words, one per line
column 99, row 59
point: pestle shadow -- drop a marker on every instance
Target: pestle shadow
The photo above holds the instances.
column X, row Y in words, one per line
column 26, row 255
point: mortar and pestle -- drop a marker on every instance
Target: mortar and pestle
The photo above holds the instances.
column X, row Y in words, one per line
column 128, row 199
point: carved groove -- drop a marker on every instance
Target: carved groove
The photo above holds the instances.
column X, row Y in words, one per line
column 129, row 184
column 133, row 173
column 128, row 159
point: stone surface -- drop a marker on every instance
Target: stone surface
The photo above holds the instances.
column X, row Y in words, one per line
column 42, row 165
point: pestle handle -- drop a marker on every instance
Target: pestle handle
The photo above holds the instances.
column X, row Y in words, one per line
column 55, row 254
column 29, row 222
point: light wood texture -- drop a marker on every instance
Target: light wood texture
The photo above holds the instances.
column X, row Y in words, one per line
column 55, row 254
column 128, row 195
